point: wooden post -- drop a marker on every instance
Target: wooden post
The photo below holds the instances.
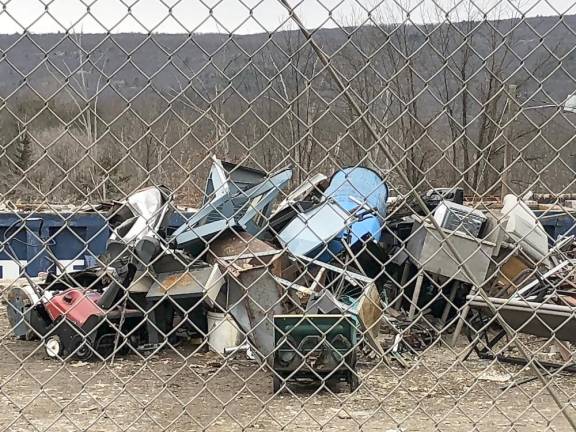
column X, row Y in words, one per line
column 416, row 296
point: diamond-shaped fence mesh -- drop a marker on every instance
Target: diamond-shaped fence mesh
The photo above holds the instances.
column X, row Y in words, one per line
column 287, row 215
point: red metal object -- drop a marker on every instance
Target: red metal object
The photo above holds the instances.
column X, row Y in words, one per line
column 76, row 305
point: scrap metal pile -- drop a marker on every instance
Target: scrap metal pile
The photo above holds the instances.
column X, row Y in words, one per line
column 532, row 288
column 239, row 269
column 299, row 278
column 519, row 275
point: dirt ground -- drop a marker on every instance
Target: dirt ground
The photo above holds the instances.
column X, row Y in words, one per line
column 175, row 391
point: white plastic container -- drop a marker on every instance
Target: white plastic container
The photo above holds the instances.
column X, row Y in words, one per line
column 222, row 332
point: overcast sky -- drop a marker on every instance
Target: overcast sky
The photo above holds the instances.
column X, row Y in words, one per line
column 234, row 15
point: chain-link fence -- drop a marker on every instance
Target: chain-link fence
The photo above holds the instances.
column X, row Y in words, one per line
column 282, row 215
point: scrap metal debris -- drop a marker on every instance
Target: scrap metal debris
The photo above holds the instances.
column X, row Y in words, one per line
column 327, row 252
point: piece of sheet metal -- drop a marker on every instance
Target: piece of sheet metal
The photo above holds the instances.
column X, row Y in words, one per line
column 256, row 297
column 243, row 248
column 142, row 282
column 227, row 177
column 232, row 190
column 369, row 309
column 253, row 294
column 195, row 239
column 347, row 273
column 203, row 282
column 534, row 318
column 201, row 214
column 259, row 204
column 217, row 181
column 301, row 193
column 251, row 209
column 523, row 290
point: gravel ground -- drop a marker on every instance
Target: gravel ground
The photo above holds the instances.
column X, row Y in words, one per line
column 176, row 391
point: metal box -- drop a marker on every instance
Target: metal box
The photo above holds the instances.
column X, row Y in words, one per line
column 456, row 217
column 428, row 251
column 315, row 347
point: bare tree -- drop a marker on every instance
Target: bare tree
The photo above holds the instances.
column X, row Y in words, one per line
column 297, row 89
column 475, row 59
column 85, row 81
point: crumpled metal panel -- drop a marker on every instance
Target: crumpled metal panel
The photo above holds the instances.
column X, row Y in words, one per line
column 254, row 295
column 254, row 298
column 248, row 210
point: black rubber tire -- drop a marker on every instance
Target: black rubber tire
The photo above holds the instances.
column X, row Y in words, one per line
column 84, row 352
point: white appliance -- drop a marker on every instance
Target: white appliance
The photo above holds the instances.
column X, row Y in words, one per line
column 523, row 227
column 456, row 217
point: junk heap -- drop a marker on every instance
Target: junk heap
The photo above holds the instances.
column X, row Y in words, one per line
column 305, row 281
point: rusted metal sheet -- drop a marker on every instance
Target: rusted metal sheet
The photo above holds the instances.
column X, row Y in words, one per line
column 250, row 252
column 254, row 295
column 204, row 281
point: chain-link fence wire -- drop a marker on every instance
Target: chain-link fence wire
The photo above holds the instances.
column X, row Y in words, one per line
column 280, row 215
